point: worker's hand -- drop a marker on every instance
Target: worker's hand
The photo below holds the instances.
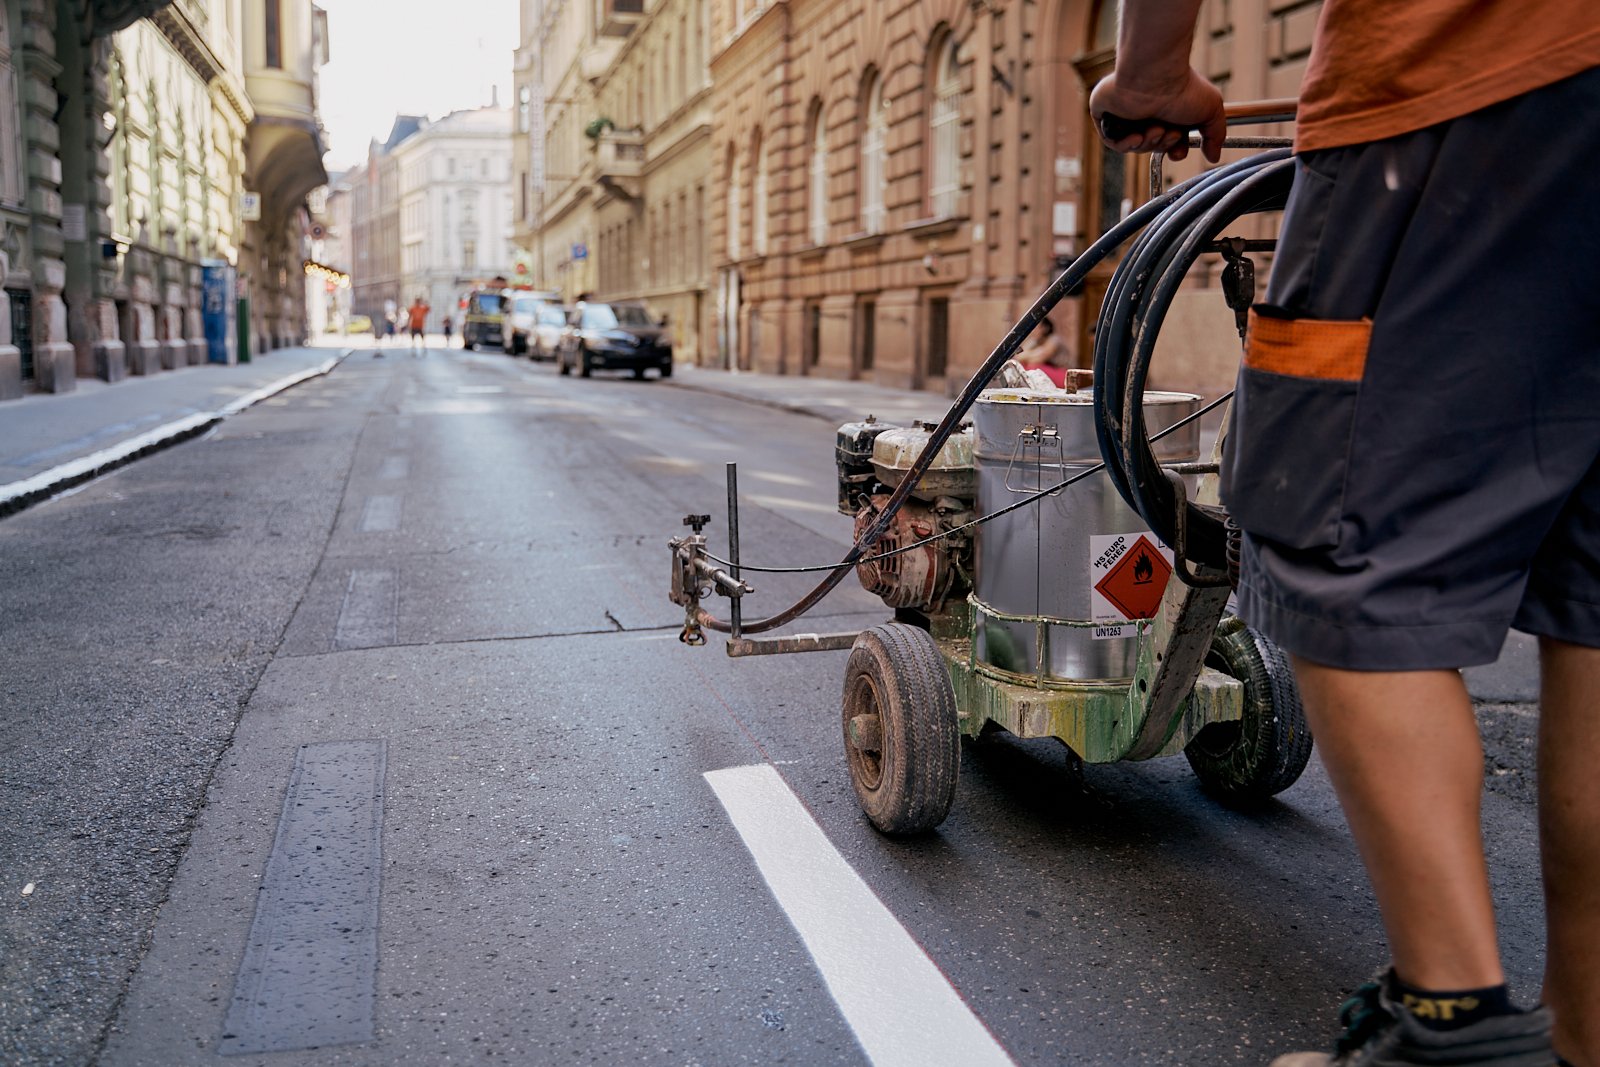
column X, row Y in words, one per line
column 1170, row 108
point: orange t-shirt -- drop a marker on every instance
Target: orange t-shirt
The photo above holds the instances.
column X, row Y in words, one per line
column 419, row 316
column 1380, row 68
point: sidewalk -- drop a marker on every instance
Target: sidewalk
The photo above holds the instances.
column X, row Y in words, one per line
column 44, row 432
column 835, row 401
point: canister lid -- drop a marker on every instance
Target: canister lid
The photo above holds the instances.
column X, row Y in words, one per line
column 1002, row 415
column 1034, row 396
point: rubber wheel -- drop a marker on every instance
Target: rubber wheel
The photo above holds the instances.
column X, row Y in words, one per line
column 638, row 374
column 1265, row 752
column 584, row 370
column 666, row 371
column 901, row 737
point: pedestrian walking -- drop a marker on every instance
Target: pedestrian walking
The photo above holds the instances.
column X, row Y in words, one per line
column 417, row 314
column 1397, row 515
column 447, row 324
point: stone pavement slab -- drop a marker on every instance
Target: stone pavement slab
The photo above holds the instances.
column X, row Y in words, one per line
column 45, row 430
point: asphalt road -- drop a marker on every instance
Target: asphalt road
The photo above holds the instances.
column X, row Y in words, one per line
column 458, row 565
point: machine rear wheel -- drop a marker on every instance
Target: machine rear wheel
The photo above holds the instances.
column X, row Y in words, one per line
column 584, row 370
column 901, row 736
column 1264, row 752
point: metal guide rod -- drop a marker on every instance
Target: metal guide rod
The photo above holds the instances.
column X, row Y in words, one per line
column 735, row 619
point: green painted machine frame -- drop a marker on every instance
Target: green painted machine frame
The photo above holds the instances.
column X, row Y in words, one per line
column 1171, row 697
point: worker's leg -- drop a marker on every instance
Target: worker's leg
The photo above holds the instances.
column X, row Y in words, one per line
column 1569, row 833
column 1403, row 753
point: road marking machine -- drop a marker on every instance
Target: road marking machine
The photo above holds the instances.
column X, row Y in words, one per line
column 1061, row 565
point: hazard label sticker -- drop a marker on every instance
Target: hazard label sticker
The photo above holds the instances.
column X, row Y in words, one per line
column 1127, row 576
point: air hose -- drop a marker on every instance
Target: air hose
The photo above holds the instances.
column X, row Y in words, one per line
column 1135, row 304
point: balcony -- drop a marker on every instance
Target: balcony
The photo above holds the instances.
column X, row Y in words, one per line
column 619, row 162
column 620, row 17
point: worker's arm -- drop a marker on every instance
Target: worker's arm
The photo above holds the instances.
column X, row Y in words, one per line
column 1153, row 80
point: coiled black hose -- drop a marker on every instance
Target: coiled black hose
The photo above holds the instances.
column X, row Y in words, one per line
column 1206, row 190
column 1136, row 302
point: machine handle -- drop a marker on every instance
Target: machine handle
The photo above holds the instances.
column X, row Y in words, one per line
column 1244, row 113
column 1035, row 437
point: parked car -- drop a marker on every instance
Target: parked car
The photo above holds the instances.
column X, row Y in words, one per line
column 520, row 308
column 553, row 332
column 480, row 322
column 617, row 337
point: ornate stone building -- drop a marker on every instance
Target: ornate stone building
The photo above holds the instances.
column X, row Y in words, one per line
column 129, row 134
column 455, row 207
column 375, row 224
column 619, row 131
column 896, row 182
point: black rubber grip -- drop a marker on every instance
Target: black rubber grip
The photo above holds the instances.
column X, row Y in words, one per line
column 1116, row 128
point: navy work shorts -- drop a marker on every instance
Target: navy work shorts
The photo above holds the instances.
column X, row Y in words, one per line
column 1414, row 443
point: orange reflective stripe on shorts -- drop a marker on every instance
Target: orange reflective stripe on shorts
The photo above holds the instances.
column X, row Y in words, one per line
column 1308, row 348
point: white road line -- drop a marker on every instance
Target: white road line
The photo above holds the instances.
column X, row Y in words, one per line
column 903, row 1010
column 369, row 616
column 381, row 513
column 394, row 467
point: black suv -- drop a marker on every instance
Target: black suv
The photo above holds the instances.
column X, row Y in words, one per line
column 617, row 337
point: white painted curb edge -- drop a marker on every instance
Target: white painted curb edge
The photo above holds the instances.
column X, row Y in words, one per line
column 18, row 495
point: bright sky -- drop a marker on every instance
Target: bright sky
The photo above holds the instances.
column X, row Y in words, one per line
column 413, row 57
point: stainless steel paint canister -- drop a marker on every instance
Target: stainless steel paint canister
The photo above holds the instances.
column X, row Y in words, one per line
column 1034, row 564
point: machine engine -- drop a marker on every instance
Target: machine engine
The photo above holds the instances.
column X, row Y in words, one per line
column 872, row 458
column 924, row 578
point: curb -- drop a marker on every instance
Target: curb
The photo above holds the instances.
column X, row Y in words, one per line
column 16, row 496
column 761, row 401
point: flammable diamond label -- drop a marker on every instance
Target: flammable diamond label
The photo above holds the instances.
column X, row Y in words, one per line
column 1127, row 574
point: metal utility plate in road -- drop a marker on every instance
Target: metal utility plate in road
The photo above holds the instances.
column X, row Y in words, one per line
column 308, row 971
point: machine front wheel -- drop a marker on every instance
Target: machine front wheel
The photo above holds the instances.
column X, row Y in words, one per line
column 1263, row 753
column 901, row 735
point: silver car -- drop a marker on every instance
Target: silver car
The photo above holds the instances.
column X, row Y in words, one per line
column 521, row 309
column 552, row 332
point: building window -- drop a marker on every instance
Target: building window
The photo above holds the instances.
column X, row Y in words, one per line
column 873, row 176
column 469, row 255
column 945, row 144
column 868, row 333
column 938, row 336
column 683, row 59
column 734, row 206
column 273, row 12
column 813, row 326
column 817, row 209
column 758, row 201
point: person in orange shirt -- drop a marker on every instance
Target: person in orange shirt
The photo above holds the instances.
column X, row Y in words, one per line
column 1398, row 514
column 417, row 314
